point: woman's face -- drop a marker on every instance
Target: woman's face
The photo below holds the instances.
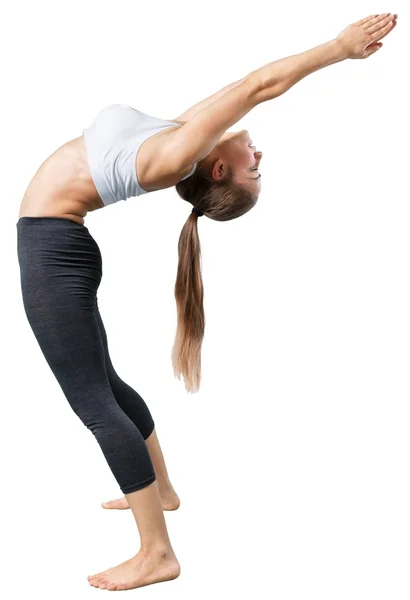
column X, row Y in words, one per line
column 236, row 149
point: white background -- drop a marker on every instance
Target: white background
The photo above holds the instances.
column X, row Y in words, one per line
column 292, row 462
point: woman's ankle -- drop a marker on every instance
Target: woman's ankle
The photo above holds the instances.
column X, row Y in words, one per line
column 160, row 549
column 165, row 487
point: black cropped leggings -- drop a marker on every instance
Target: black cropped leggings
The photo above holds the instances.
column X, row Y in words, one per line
column 61, row 270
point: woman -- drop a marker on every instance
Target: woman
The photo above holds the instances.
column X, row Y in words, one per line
column 126, row 153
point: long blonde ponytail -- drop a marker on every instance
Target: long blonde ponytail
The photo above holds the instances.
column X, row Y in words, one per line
column 189, row 295
column 219, row 200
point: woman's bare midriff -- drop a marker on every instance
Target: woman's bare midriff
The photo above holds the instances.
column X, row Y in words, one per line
column 63, row 186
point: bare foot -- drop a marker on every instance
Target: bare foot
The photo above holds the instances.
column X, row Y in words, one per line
column 170, row 501
column 143, row 569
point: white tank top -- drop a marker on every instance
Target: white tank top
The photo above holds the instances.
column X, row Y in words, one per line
column 112, row 142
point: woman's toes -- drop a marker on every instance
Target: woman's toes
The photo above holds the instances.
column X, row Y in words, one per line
column 96, row 579
column 104, row 582
column 111, row 587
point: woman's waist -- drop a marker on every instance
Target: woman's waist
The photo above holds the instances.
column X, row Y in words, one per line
column 62, row 186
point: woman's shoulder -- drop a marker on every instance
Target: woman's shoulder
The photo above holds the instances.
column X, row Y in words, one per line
column 155, row 164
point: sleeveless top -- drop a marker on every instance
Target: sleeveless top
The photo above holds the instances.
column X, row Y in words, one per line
column 112, row 142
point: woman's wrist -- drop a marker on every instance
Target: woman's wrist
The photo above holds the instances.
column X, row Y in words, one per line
column 339, row 50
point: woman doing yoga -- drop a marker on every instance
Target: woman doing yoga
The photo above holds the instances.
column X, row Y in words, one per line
column 126, row 153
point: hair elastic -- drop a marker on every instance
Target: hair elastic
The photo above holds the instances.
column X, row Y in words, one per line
column 198, row 212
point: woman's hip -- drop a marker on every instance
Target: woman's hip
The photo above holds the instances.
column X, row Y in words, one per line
column 60, row 264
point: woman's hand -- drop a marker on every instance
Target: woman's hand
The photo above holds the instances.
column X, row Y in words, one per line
column 361, row 39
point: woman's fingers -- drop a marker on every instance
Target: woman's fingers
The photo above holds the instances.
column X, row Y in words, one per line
column 373, row 27
column 382, row 32
column 389, row 29
column 373, row 20
column 362, row 21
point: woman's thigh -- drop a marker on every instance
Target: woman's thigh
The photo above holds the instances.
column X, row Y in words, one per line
column 61, row 270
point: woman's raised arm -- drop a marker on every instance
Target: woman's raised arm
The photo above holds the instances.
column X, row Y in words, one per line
column 358, row 40
column 198, row 136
